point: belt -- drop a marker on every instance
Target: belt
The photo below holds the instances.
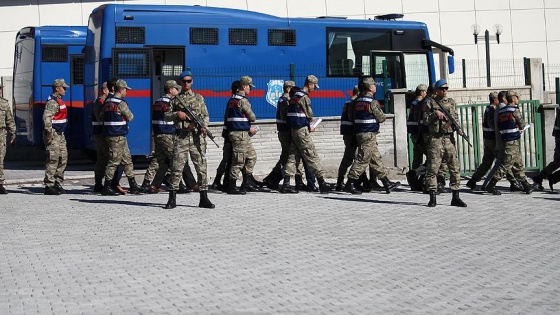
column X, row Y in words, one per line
column 443, row 135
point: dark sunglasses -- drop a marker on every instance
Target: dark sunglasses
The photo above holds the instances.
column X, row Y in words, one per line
column 444, row 88
column 187, row 81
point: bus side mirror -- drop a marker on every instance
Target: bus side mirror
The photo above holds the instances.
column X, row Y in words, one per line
column 451, row 64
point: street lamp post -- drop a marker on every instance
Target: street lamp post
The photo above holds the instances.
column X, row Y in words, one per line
column 498, row 31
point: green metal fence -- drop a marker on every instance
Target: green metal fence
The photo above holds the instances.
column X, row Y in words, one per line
column 470, row 119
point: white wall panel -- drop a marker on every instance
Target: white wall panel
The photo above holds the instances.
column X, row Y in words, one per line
column 16, row 17
column 309, row 8
column 432, row 22
column 491, row 5
column 552, row 4
column 415, row 6
column 530, row 50
column 349, row 8
column 456, row 27
column 528, row 25
column 227, row 4
column 487, row 19
column 553, row 24
column 7, row 53
column 526, row 4
column 186, row 2
column 456, row 5
column 382, row 7
column 51, row 14
column 277, row 8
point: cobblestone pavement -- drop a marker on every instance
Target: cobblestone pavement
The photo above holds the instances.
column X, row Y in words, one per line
column 269, row 253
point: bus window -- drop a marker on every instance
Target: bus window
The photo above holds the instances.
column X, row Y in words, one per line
column 416, row 68
column 131, row 64
column 347, row 48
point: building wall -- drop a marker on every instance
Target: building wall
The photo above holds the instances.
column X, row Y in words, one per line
column 529, row 27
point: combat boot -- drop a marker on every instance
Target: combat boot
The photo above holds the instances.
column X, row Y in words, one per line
column 58, row 187
column 515, row 186
column 286, row 187
column 440, row 184
column 432, row 202
column 3, row 190
column 246, row 184
column 527, row 188
column 349, row 187
column 300, row 186
column 272, row 180
column 254, row 181
column 456, row 201
column 216, row 184
column 183, row 189
column 389, row 185
column 412, row 181
column 172, row 201
column 134, row 188
column 204, row 201
column 233, row 189
column 145, row 186
column 491, row 188
column 324, row 187
column 339, row 184
column 553, row 179
column 98, row 186
column 107, row 190
column 471, row 183
column 51, row 190
column 537, row 181
column 366, row 184
column 373, row 180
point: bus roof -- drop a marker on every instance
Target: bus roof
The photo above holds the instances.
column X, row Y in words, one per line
column 53, row 34
column 178, row 14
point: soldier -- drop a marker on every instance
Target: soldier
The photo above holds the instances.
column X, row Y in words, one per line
column 417, row 129
column 299, row 118
column 555, row 163
column 99, row 139
column 7, row 125
column 190, row 140
column 116, row 116
column 366, row 117
column 510, row 125
column 349, row 138
column 163, row 133
column 441, row 143
column 239, row 117
column 225, row 163
column 55, row 120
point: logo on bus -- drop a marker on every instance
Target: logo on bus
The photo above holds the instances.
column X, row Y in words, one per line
column 275, row 90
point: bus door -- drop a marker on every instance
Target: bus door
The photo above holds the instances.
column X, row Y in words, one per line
column 134, row 65
column 387, row 68
column 75, row 101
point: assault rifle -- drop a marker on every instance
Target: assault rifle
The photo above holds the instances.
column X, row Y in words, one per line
column 193, row 117
column 452, row 120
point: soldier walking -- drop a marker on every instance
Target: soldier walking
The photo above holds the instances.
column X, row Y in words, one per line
column 441, row 143
column 555, row 163
column 7, row 125
column 190, row 140
column 510, row 125
column 116, row 116
column 55, row 120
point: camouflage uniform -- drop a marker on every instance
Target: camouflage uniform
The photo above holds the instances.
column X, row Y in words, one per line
column 188, row 141
column 118, row 151
column 7, row 124
column 441, row 144
column 55, row 143
column 100, row 141
column 244, row 155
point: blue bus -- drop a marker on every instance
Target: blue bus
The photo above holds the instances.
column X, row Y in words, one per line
column 149, row 44
column 41, row 55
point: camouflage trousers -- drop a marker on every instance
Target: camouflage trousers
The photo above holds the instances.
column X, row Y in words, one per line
column 512, row 162
column 244, row 156
column 57, row 159
column 285, row 138
column 368, row 154
column 3, row 144
column 490, row 154
column 302, row 144
column 102, row 156
column 185, row 144
column 119, row 153
column 163, row 155
column 350, row 148
column 442, row 150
